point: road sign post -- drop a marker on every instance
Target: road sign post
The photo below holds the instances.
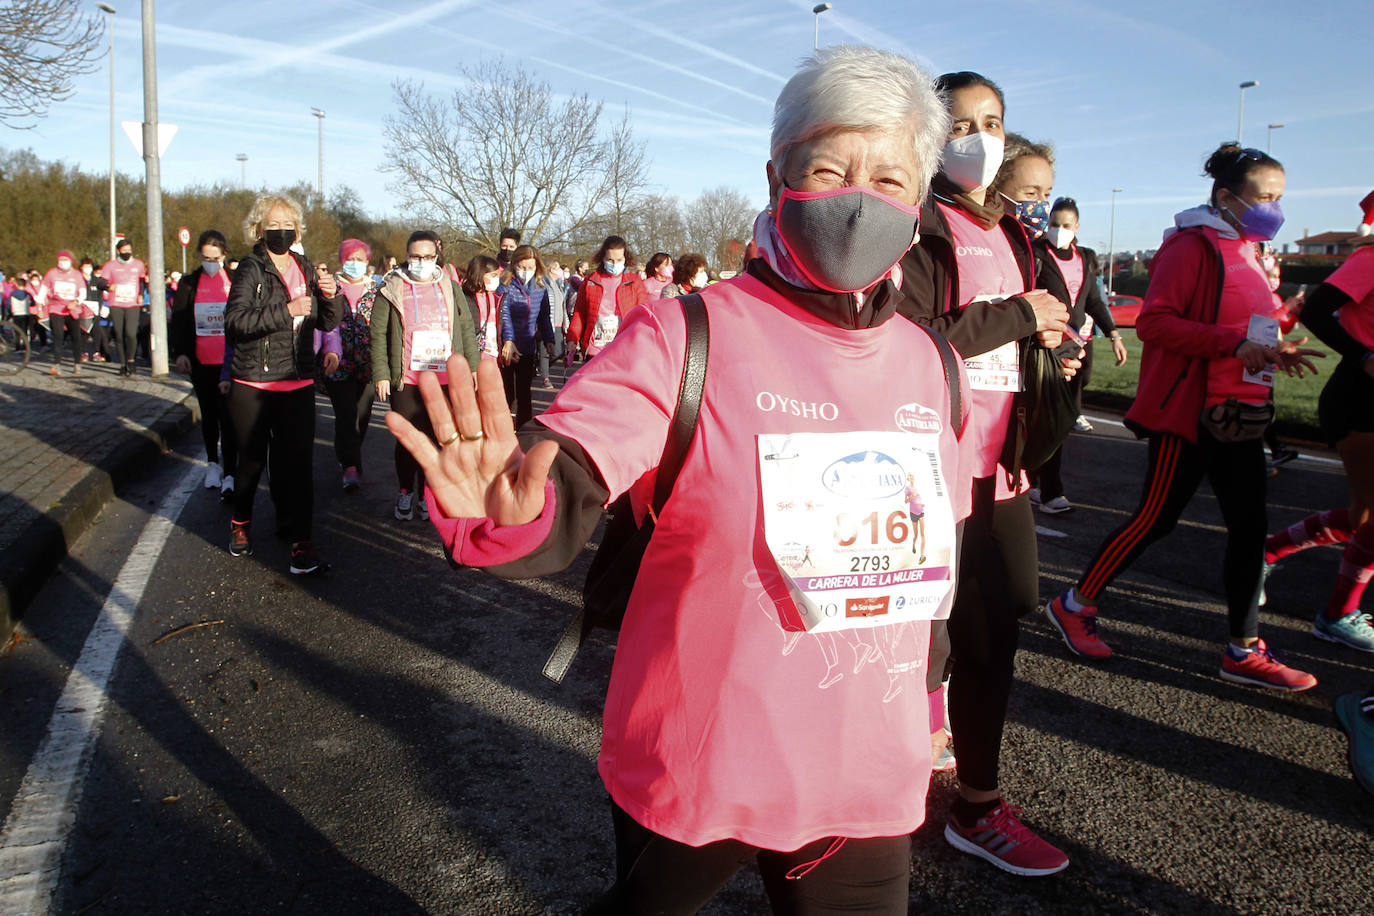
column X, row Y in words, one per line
column 184, row 237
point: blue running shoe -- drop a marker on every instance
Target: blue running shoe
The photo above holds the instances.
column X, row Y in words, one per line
column 1353, row 630
column 1355, row 712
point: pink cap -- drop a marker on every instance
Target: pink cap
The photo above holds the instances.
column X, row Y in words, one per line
column 350, row 247
column 65, row 254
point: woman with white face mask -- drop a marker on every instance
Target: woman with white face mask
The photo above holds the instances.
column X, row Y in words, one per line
column 690, row 276
column 1068, row 270
column 419, row 319
column 971, row 278
column 481, row 281
column 658, row 273
column 526, row 328
column 65, row 289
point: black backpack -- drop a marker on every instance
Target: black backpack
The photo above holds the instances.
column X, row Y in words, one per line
column 611, row 577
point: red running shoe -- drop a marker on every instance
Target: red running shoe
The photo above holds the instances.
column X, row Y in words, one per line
column 999, row 837
column 1078, row 629
column 1259, row 668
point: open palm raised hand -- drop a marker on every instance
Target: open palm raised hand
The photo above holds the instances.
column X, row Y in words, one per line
column 476, row 468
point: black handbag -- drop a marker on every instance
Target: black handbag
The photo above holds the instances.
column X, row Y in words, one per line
column 1045, row 405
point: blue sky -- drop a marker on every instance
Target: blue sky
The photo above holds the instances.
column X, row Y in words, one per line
column 1133, row 95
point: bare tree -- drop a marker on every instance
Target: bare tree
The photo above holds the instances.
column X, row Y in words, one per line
column 44, row 46
column 655, row 224
column 503, row 151
column 719, row 223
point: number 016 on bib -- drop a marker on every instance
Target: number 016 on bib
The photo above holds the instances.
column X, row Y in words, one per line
column 860, row 525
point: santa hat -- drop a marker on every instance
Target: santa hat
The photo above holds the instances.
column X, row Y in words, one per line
column 68, row 254
column 1366, row 208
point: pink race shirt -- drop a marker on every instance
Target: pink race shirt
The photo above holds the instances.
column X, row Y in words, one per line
column 1245, row 292
column 1072, row 272
column 988, row 270
column 722, row 721
column 1355, row 278
column 66, row 290
column 212, row 293
column 426, row 322
column 296, row 287
column 124, row 282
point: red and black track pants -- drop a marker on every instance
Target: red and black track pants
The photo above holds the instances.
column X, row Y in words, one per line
column 1236, row 472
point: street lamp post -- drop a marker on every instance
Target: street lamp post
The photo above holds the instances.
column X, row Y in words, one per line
column 319, row 113
column 1111, row 246
column 109, row 23
column 817, row 10
column 152, row 172
column 1240, row 118
column 1269, row 141
column 243, row 170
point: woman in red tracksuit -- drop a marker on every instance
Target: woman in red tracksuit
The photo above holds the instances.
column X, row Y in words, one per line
column 606, row 297
column 1200, row 329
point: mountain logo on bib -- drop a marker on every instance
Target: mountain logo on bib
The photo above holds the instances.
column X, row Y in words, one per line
column 865, row 475
column 915, row 418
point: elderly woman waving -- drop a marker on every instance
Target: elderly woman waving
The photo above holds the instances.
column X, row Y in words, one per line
column 738, row 726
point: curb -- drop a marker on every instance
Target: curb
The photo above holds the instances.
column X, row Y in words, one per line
column 34, row 557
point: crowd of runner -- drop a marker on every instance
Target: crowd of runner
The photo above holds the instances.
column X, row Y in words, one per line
column 963, row 242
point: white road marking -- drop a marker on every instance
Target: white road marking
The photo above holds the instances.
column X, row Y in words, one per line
column 1049, row 532
column 44, row 810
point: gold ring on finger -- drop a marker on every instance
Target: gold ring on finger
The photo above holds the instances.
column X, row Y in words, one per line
column 450, row 440
column 480, row 435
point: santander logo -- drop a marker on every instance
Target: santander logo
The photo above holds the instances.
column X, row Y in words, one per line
column 915, row 418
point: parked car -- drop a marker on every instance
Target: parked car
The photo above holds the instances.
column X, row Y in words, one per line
column 1124, row 309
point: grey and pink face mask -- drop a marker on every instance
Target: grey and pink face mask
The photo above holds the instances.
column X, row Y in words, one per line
column 846, row 239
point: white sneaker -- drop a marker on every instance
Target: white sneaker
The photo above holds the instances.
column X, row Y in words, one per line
column 424, row 509
column 1082, row 425
column 1057, row 506
column 214, row 476
column 226, row 487
column 1034, row 494
column 405, row 501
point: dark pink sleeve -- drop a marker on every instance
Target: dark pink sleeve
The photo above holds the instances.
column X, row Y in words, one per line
column 1355, row 277
column 480, row 542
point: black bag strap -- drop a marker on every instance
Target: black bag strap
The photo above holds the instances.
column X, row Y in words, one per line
column 680, row 432
column 950, row 363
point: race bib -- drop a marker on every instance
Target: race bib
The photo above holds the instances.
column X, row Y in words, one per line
column 210, row 319
column 607, row 326
column 996, row 370
column 430, row 350
column 1264, row 331
column 125, row 292
column 838, row 520
column 64, row 290
column 1086, row 332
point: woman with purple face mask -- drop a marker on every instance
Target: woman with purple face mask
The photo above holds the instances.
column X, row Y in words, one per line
column 1209, row 347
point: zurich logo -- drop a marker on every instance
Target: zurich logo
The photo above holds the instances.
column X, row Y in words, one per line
column 865, row 475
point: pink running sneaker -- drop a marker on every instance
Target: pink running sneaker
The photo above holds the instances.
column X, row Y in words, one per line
column 1078, row 629
column 1259, row 668
column 1000, row 838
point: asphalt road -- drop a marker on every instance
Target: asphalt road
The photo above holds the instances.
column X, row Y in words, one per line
column 380, row 740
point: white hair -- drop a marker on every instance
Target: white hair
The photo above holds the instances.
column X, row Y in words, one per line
column 856, row 88
column 252, row 226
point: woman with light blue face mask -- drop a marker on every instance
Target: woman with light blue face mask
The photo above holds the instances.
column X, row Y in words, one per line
column 345, row 355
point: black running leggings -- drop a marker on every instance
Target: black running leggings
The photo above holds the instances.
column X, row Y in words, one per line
column 1176, row 467
column 408, row 403
column 288, row 418
column 657, row 875
column 215, row 427
column 518, row 378
column 352, row 402
column 125, row 323
column 72, row 326
column 999, row 584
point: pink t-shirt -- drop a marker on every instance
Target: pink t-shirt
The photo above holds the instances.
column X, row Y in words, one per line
column 719, row 722
column 1072, row 272
column 1245, row 292
column 1355, row 278
column 353, row 291
column 988, row 270
column 425, row 315
column 296, row 287
column 124, row 278
column 606, row 320
column 211, row 295
column 654, row 285
column 66, row 291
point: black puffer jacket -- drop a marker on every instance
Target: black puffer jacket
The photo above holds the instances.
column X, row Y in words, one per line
column 258, row 324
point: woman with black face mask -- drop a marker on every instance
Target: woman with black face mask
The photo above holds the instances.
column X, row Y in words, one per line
column 1209, row 347
column 275, row 304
